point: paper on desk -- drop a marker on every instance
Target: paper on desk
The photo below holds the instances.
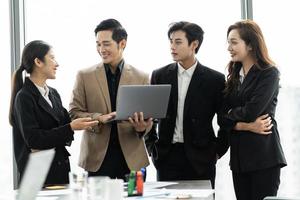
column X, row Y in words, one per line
column 46, row 198
column 151, row 193
column 186, row 194
column 7, row 196
column 174, row 194
column 12, row 196
column 158, row 184
column 54, row 192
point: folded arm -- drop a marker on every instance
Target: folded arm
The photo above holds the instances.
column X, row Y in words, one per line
column 262, row 125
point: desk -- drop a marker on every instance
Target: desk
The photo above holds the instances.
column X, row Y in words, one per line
column 203, row 184
column 181, row 185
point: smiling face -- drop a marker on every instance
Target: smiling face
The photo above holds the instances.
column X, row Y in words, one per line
column 47, row 67
column 238, row 49
column 110, row 51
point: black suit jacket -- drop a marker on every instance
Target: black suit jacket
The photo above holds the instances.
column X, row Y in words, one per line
column 203, row 100
column 257, row 95
column 36, row 125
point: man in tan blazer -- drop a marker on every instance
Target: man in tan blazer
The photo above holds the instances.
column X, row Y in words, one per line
column 109, row 149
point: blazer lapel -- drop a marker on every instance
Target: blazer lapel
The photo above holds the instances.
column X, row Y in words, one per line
column 56, row 103
column 41, row 101
column 126, row 76
column 195, row 83
column 102, row 81
column 45, row 105
column 54, row 99
column 248, row 79
column 173, row 80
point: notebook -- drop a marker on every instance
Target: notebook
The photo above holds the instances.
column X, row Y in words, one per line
column 35, row 174
column 152, row 100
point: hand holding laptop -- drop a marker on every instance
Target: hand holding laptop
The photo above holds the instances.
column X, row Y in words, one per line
column 150, row 100
column 138, row 122
column 103, row 119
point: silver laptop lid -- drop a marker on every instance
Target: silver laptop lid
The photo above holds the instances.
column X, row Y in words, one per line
column 35, row 174
column 152, row 100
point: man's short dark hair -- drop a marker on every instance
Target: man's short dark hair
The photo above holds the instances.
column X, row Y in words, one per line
column 118, row 32
column 192, row 31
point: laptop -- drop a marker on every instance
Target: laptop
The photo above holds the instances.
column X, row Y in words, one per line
column 152, row 100
column 35, row 174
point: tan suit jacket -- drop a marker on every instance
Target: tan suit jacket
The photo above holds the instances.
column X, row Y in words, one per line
column 91, row 98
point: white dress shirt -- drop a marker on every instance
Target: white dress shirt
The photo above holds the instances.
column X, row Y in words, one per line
column 184, row 79
column 242, row 75
column 45, row 93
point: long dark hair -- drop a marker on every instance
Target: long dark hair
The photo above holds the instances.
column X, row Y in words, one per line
column 35, row 49
column 249, row 32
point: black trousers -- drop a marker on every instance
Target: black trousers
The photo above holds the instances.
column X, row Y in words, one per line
column 176, row 166
column 114, row 164
column 257, row 184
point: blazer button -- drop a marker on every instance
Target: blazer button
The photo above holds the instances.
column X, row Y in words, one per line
column 58, row 162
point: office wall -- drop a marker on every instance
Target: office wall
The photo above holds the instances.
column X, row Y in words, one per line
column 279, row 22
column 5, row 130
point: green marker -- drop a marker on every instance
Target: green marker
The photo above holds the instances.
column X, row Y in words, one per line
column 131, row 183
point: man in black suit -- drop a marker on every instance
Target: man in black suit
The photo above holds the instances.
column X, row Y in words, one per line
column 185, row 146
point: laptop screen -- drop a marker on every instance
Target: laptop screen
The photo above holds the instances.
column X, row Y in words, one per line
column 152, row 100
column 35, row 174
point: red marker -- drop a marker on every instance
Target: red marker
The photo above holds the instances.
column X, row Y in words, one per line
column 139, row 183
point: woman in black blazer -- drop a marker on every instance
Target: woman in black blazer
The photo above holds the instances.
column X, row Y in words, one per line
column 37, row 116
column 251, row 91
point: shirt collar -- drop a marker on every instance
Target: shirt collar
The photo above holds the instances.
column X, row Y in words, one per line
column 242, row 75
column 189, row 71
column 119, row 66
column 43, row 90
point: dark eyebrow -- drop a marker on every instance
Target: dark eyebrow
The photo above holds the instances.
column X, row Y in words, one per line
column 177, row 39
column 232, row 39
column 106, row 41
